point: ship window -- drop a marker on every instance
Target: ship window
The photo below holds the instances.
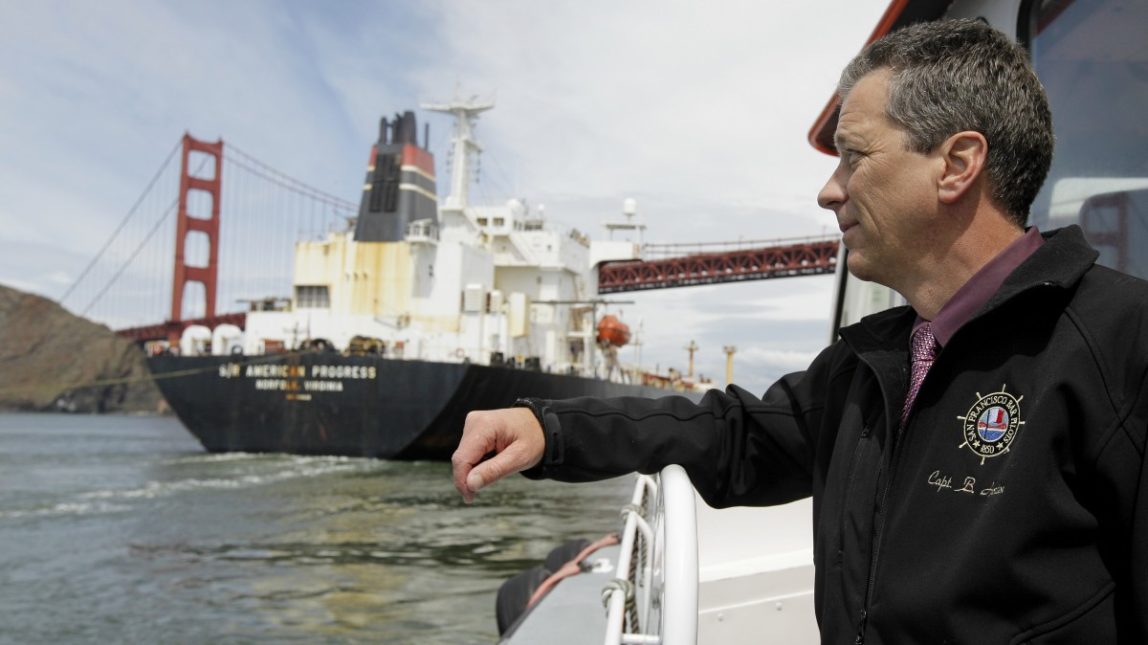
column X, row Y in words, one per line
column 500, row 221
column 312, row 297
column 1092, row 57
column 482, row 221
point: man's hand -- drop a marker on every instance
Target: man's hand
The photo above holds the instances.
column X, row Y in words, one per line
column 512, row 433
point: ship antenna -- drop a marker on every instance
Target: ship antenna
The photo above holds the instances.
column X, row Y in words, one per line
column 464, row 147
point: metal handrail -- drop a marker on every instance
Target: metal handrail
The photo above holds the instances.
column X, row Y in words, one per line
column 679, row 558
column 622, row 588
column 667, row 586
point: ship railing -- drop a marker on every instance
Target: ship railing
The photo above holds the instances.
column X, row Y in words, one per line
column 653, row 598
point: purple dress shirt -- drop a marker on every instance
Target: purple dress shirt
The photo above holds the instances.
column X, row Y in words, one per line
column 960, row 308
column 976, row 292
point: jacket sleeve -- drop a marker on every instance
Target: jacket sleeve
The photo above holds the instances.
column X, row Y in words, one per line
column 737, row 449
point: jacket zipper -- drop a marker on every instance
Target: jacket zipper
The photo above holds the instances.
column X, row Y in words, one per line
column 878, row 534
column 860, row 640
column 865, row 431
column 879, row 516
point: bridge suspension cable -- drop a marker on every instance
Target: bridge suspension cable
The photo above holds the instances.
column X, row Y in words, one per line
column 131, row 258
column 134, row 253
column 248, row 162
column 123, row 223
column 265, row 211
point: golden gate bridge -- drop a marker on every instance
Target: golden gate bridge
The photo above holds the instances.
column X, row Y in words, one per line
column 220, row 227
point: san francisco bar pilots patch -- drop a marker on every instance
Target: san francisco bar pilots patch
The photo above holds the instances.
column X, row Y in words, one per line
column 991, row 424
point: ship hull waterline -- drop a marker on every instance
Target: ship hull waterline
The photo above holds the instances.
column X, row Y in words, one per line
column 355, row 406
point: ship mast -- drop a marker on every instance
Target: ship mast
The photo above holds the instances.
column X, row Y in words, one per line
column 463, row 145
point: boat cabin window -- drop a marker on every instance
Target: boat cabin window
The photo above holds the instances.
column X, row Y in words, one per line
column 1092, row 57
column 312, row 297
column 482, row 221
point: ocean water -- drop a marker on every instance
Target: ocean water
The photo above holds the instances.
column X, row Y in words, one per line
column 121, row 529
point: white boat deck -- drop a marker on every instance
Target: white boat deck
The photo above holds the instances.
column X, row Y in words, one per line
column 755, row 583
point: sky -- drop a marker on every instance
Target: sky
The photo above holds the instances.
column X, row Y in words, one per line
column 698, row 110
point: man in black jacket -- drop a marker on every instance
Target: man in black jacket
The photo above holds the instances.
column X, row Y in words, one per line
column 976, row 460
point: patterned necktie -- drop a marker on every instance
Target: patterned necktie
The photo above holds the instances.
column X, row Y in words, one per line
column 923, row 349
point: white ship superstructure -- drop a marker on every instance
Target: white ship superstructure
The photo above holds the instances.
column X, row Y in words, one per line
column 461, row 282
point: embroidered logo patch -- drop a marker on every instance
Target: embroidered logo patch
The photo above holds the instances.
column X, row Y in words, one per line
column 991, row 424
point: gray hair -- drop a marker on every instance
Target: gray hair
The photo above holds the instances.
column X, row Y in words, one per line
column 956, row 75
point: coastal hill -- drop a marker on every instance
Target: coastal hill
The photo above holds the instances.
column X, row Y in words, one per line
column 52, row 360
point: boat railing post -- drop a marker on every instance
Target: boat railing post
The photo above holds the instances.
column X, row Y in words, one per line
column 669, row 576
column 679, row 558
column 621, row 588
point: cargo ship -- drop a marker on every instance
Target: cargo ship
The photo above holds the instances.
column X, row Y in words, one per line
column 420, row 311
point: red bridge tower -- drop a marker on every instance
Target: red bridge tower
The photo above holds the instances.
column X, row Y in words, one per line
column 184, row 272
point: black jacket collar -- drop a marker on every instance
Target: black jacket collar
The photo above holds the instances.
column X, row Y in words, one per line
column 1061, row 262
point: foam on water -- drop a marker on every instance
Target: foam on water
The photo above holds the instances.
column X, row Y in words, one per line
column 294, row 468
column 67, row 508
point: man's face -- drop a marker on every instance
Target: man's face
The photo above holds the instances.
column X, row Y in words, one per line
column 882, row 193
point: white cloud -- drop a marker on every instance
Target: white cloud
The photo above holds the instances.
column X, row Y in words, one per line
column 58, row 278
column 676, row 101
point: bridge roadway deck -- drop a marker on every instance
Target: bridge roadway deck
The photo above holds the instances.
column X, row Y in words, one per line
column 779, row 261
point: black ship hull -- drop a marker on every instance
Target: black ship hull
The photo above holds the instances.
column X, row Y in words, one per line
column 360, row 406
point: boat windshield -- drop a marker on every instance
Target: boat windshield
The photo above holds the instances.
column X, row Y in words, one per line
column 1092, row 57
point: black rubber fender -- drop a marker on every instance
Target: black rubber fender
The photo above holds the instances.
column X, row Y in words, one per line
column 510, row 604
column 515, row 593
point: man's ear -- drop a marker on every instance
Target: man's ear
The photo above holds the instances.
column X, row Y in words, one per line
column 964, row 156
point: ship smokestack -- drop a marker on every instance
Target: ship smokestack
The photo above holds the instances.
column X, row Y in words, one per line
column 400, row 184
